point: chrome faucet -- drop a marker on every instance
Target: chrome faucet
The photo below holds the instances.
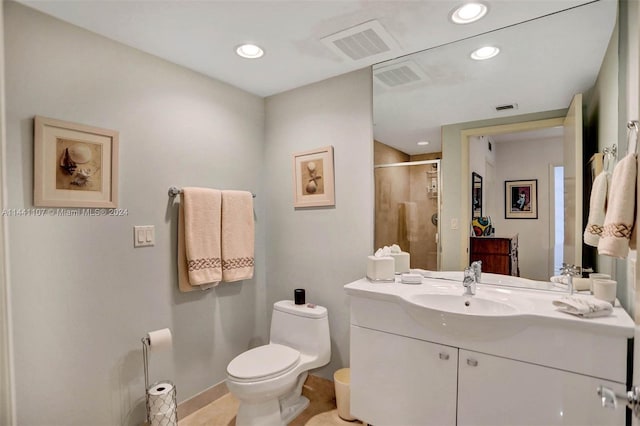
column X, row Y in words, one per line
column 569, row 271
column 476, row 267
column 469, row 281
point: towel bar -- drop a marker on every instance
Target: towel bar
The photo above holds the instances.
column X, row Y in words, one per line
column 174, row 190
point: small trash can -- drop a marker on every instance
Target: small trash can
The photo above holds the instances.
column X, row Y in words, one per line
column 342, row 380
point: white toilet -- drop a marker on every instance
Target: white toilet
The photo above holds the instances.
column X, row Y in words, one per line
column 268, row 379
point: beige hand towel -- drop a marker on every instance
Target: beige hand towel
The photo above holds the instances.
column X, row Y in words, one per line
column 597, row 206
column 183, row 270
column 620, row 216
column 237, row 236
column 202, row 211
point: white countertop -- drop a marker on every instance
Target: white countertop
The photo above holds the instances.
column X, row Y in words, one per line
column 538, row 303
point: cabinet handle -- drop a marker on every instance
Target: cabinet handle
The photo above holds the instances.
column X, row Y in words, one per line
column 444, row 356
column 472, row 362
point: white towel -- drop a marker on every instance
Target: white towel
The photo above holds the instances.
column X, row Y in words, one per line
column 620, row 216
column 238, row 238
column 579, row 283
column 584, row 306
column 597, row 209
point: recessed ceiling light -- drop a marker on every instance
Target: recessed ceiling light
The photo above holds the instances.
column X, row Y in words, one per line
column 249, row 51
column 423, row 143
column 486, row 52
column 468, row 13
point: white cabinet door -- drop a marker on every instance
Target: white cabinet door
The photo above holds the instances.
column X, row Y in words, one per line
column 402, row 381
column 498, row 391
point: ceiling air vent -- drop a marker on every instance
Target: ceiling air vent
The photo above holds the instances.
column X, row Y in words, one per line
column 399, row 74
column 506, row 107
column 362, row 41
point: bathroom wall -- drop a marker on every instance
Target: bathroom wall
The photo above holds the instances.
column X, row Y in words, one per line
column 534, row 240
column 6, row 391
column 392, row 190
column 82, row 296
column 452, row 155
column 602, row 118
column 321, row 249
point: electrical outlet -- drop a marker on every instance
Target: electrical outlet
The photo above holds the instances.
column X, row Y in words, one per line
column 454, row 223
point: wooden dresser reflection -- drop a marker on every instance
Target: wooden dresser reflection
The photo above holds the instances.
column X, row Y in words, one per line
column 499, row 255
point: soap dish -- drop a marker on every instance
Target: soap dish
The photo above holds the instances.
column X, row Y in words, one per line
column 411, row 278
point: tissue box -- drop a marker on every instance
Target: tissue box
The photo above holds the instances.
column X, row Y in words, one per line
column 402, row 262
column 381, row 268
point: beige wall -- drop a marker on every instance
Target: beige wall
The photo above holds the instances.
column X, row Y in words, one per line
column 528, row 160
column 321, row 249
column 81, row 296
column 391, row 191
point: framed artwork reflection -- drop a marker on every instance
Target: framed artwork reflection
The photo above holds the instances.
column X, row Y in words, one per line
column 521, row 199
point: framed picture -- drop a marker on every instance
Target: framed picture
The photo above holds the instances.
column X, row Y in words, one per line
column 476, row 195
column 74, row 165
column 521, row 199
column 313, row 184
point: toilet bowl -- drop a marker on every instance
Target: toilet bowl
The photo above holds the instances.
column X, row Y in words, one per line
column 268, row 380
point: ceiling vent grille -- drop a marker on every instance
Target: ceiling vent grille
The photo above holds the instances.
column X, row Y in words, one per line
column 506, row 107
column 400, row 74
column 362, row 41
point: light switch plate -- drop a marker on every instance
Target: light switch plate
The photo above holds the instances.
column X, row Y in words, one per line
column 144, row 236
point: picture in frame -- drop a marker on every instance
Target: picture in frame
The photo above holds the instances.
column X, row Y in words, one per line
column 476, row 195
column 74, row 165
column 313, row 178
column 521, row 199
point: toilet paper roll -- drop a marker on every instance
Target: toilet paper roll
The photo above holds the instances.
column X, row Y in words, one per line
column 160, row 339
column 161, row 399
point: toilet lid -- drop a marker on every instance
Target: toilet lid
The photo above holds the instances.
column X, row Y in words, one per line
column 263, row 362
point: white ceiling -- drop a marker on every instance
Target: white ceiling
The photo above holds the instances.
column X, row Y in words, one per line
column 542, row 64
column 544, row 60
column 202, row 35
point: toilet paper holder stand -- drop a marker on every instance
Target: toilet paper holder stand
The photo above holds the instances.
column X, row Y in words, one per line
column 167, row 402
column 146, row 342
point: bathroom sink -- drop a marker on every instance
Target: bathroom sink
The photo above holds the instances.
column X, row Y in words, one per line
column 491, row 314
column 464, row 304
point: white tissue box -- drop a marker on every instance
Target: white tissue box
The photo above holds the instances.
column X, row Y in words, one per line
column 381, row 268
column 402, row 261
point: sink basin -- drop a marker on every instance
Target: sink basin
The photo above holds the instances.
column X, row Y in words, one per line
column 463, row 304
column 489, row 315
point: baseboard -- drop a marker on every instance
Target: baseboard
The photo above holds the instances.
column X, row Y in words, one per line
column 202, row 399
column 207, row 396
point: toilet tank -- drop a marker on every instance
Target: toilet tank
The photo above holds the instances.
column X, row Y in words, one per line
column 302, row 327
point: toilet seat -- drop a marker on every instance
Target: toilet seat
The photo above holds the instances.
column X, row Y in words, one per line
column 263, row 362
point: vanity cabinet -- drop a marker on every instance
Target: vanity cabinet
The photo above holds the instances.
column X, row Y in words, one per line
column 495, row 391
column 388, row 365
column 406, row 372
column 499, row 255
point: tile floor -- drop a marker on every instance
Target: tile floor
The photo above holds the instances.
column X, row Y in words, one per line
column 321, row 411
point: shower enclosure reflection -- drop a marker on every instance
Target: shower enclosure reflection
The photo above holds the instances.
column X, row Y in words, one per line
column 407, row 205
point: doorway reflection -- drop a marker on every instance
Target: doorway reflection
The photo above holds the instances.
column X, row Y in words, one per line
column 407, row 209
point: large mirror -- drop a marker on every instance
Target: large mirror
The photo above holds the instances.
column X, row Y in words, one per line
column 505, row 119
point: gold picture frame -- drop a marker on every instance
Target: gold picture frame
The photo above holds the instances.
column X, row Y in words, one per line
column 313, row 178
column 74, row 165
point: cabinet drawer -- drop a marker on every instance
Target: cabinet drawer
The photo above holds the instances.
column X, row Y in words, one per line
column 491, row 245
